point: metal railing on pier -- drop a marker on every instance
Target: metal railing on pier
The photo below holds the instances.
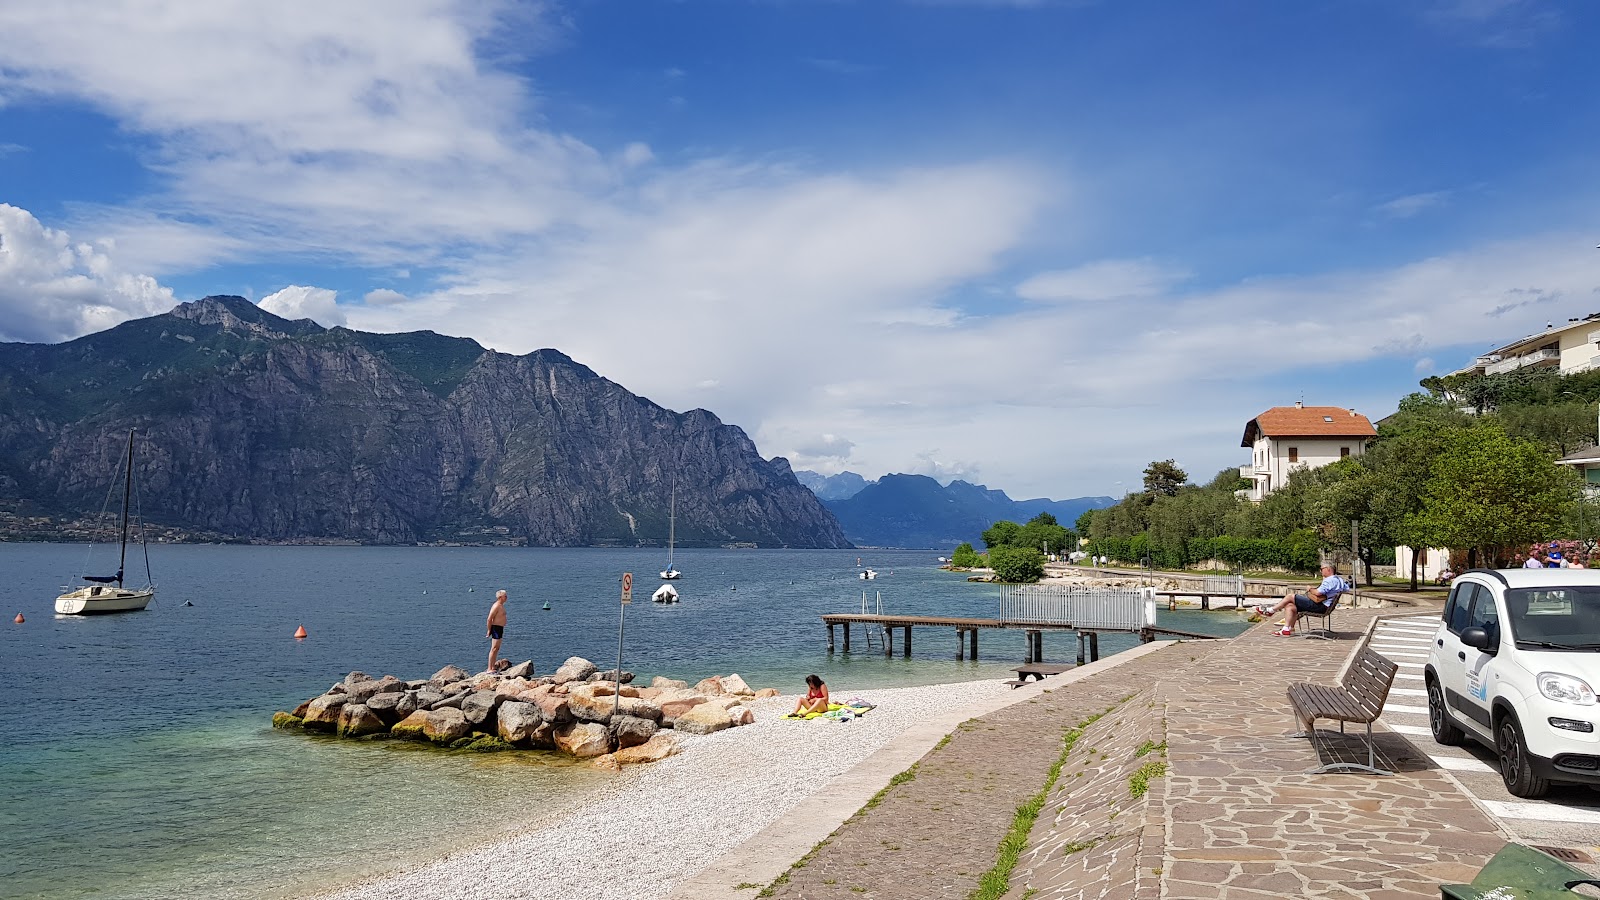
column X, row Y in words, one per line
column 1076, row 606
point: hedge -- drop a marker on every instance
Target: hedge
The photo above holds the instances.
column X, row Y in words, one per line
column 1298, row 551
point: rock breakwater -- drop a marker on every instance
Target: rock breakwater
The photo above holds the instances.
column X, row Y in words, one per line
column 578, row 710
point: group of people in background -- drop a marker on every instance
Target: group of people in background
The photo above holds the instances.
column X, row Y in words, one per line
column 1557, row 555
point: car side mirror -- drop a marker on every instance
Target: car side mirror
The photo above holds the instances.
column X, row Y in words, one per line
column 1478, row 638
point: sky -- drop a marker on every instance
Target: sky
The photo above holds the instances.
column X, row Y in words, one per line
column 1026, row 243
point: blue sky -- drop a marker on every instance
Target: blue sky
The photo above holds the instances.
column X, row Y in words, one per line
column 1032, row 244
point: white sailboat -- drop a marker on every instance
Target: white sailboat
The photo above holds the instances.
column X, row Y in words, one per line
column 665, row 594
column 670, row 573
column 107, row 593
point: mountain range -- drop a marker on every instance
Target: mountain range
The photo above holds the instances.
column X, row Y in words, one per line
column 917, row 511
column 251, row 426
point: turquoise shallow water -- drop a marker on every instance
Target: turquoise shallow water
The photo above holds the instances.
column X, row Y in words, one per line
column 138, row 761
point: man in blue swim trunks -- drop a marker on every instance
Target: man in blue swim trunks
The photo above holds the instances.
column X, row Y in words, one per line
column 1320, row 599
column 497, row 628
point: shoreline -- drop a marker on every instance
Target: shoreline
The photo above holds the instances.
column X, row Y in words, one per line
column 660, row 824
column 736, row 807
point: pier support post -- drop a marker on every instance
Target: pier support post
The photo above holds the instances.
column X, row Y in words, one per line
column 830, row 636
column 1094, row 646
column 888, row 641
column 1080, row 648
column 974, row 645
column 1205, row 601
column 908, row 642
column 961, row 643
column 1031, row 636
column 847, row 637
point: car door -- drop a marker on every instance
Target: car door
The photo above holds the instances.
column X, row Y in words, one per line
column 1450, row 658
column 1478, row 672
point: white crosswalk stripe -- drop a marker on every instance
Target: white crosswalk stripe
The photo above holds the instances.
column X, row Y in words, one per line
column 1398, row 654
column 1409, row 692
column 1544, row 812
column 1409, row 665
column 1465, row 764
column 1409, row 677
column 1410, row 729
column 1397, row 708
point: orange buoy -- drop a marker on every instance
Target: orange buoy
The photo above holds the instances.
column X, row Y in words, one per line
column 20, row 619
column 300, row 633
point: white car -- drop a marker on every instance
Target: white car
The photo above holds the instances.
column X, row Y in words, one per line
column 1514, row 666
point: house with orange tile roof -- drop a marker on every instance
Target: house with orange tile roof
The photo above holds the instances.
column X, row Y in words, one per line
column 1287, row 439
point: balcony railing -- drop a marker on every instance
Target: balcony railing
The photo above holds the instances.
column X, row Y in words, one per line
column 1511, row 364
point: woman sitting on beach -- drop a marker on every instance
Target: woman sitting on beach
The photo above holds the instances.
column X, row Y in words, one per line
column 816, row 698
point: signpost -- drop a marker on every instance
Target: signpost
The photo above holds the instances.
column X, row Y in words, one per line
column 622, row 621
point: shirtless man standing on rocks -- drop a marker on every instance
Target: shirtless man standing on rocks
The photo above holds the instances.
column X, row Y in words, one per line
column 497, row 628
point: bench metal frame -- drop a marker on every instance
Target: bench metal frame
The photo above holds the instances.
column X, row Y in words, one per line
column 1359, row 697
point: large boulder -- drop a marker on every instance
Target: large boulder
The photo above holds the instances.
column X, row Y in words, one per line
column 412, row 726
column 706, row 718
column 631, row 731
column 478, row 707
column 611, row 675
column 592, row 702
column 553, row 707
column 764, row 693
column 406, row 705
column 445, row 725
column 282, row 719
column 543, row 735
column 361, row 691
column 741, row 715
column 322, row 714
column 355, row 678
column 733, row 684
column 449, row 674
column 517, row 721
column 300, row 711
column 659, row 747
column 387, row 707
column 667, row 684
column 427, row 697
column 576, row 668
column 452, row 701
column 582, row 739
column 672, row 709
column 712, row 686
column 520, row 670
column 356, row 720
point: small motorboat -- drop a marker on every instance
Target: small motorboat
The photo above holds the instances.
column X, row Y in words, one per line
column 868, row 574
column 665, row 594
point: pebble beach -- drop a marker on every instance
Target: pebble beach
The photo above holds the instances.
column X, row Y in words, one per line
column 660, row 823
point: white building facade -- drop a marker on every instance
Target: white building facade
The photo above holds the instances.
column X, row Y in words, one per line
column 1570, row 348
column 1287, row 439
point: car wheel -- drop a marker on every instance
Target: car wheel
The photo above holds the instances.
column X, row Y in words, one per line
column 1444, row 731
column 1515, row 769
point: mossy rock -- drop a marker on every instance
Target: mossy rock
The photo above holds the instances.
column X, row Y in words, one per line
column 478, row 742
column 287, row 720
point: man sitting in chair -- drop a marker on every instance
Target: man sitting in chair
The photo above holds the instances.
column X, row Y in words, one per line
column 1319, row 600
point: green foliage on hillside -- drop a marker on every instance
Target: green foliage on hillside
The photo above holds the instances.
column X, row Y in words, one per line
column 965, row 557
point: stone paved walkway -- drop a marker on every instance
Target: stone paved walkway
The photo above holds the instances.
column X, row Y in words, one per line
column 1235, row 816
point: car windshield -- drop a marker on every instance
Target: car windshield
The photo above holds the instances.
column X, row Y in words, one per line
column 1557, row 618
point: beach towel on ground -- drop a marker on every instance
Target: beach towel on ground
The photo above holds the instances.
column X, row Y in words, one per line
column 850, row 709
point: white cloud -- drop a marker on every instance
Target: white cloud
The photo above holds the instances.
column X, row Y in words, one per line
column 53, row 288
column 1111, row 279
column 1412, row 204
column 384, row 297
column 300, row 302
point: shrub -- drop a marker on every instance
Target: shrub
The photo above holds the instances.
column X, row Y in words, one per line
column 965, row 557
column 1017, row 565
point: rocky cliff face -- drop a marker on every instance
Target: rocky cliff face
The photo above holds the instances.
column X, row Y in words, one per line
column 256, row 426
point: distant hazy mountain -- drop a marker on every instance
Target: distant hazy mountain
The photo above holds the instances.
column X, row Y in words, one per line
column 258, row 427
column 842, row 486
column 916, row 511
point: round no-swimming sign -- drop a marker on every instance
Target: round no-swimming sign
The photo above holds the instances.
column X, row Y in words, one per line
column 627, row 587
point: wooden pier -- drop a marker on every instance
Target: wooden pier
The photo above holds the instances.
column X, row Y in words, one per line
column 967, row 633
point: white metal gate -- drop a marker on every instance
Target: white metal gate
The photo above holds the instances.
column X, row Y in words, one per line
column 1076, row 606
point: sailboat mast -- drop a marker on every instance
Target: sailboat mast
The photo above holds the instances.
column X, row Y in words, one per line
column 127, row 496
column 672, row 524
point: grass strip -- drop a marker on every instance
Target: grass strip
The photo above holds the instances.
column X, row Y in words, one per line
column 994, row 883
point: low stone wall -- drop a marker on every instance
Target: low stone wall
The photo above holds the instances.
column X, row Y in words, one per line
column 576, row 711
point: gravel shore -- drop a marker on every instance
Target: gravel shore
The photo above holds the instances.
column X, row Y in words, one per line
column 659, row 823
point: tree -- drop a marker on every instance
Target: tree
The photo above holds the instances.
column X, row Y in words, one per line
column 1001, row 534
column 965, row 557
column 1017, row 565
column 1043, row 532
column 1164, row 478
column 1490, row 492
column 1561, row 428
column 1085, row 518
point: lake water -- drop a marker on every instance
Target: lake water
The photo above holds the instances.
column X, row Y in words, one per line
column 138, row 758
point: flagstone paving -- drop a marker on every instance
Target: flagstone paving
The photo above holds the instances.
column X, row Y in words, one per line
column 1235, row 815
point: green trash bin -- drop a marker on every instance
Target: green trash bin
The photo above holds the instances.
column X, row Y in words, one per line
column 1520, row 873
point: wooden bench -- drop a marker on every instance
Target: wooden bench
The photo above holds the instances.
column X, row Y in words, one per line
column 1358, row 697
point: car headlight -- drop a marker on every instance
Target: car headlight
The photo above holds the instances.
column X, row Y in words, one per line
column 1566, row 689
